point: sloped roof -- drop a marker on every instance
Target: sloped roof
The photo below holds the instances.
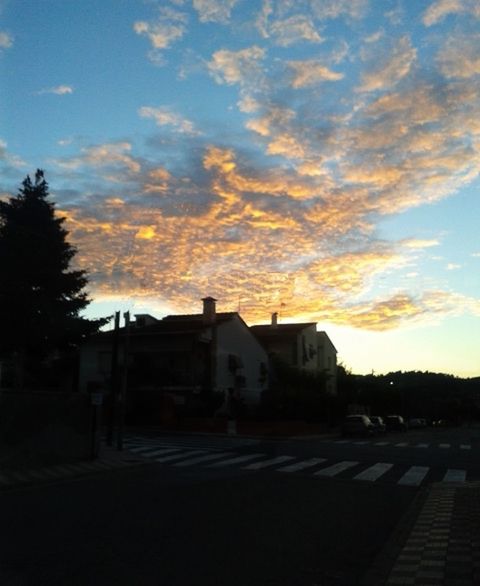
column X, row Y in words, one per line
column 171, row 325
column 267, row 330
column 198, row 317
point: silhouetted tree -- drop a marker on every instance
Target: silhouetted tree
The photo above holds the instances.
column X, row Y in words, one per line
column 40, row 296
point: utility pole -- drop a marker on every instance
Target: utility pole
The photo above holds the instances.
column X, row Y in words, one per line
column 123, row 384
column 113, row 380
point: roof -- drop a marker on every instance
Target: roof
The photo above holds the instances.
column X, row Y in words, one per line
column 172, row 325
column 198, row 317
column 270, row 331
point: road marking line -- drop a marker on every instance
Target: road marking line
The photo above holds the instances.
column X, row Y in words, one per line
column 270, row 462
column 444, row 445
column 453, row 475
column 401, row 445
column 160, row 452
column 381, row 443
column 361, row 443
column 371, row 474
column 139, row 449
column 302, row 465
column 201, row 459
column 177, row 456
column 414, row 476
column 335, row 469
column 237, row 460
column 422, row 445
column 465, row 447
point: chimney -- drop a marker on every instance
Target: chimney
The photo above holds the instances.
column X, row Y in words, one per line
column 209, row 310
column 274, row 319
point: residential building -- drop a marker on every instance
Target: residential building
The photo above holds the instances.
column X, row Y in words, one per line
column 300, row 346
column 188, row 357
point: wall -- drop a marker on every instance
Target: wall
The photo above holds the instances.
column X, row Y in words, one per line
column 235, row 338
column 327, row 361
column 44, row 428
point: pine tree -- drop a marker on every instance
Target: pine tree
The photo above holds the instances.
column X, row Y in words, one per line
column 40, row 296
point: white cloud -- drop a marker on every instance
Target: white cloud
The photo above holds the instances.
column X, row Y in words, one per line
column 6, row 40
column 392, row 69
column 104, row 155
column 293, row 30
column 374, row 37
column 311, row 72
column 460, row 56
column 233, row 67
column 325, row 9
column 59, row 90
column 170, row 26
column 419, row 243
column 164, row 116
column 214, row 10
column 437, row 11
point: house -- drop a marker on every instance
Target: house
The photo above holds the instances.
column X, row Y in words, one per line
column 300, row 346
column 189, row 357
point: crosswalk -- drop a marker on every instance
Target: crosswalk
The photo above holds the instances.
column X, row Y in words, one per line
column 404, row 444
column 183, row 453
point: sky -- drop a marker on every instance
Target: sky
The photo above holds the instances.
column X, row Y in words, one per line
column 315, row 158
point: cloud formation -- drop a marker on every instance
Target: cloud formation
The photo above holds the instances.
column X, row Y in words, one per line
column 331, row 125
column 6, row 40
column 164, row 116
column 311, row 72
column 169, row 27
column 440, row 9
column 214, row 10
column 59, row 90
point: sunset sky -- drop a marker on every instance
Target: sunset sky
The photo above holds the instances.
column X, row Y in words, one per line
column 319, row 158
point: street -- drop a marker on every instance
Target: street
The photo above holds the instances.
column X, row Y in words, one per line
column 221, row 520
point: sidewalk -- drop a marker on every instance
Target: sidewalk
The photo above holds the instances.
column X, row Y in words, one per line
column 442, row 544
column 110, row 459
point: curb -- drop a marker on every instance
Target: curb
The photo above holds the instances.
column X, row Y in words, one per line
column 13, row 479
column 379, row 571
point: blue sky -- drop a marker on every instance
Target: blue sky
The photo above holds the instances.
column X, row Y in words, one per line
column 319, row 158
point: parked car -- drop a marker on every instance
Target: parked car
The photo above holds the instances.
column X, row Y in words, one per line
column 357, row 425
column 417, row 422
column 395, row 423
column 378, row 424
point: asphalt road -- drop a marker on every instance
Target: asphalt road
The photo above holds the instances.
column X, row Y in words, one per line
column 198, row 524
column 160, row 525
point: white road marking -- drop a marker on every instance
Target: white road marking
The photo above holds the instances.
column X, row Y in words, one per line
column 177, row 456
column 382, row 443
column 139, row 449
column 237, row 460
column 444, row 445
column 414, row 476
column 401, row 445
column 374, row 472
column 465, row 447
column 422, row 445
column 302, row 465
column 202, row 459
column 160, row 452
column 270, row 462
column 453, row 475
column 335, row 469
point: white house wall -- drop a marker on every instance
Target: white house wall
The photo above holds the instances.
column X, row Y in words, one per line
column 307, row 337
column 234, row 337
